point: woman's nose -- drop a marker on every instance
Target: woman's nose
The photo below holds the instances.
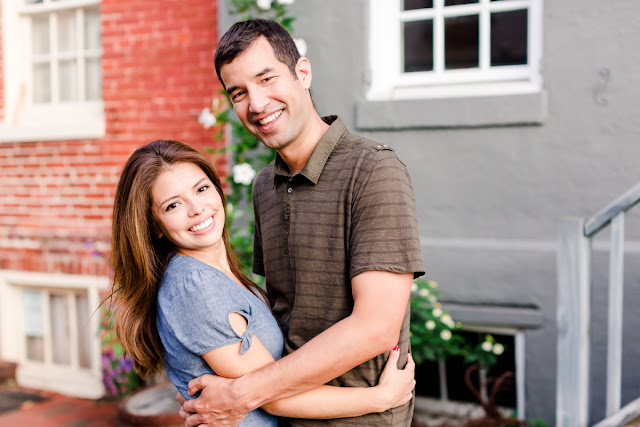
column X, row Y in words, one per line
column 195, row 209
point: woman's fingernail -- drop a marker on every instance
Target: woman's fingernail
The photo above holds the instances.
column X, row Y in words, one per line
column 396, row 348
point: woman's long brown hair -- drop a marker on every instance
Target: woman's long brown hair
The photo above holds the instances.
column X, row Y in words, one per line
column 139, row 258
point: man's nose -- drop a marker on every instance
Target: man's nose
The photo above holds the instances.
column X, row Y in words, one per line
column 258, row 101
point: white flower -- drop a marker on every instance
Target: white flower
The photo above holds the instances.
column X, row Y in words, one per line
column 437, row 312
column 286, row 1
column 243, row 173
column 423, row 292
column 301, row 45
column 206, row 118
column 498, row 349
column 264, row 4
column 414, row 288
column 432, row 299
column 445, row 335
column 487, row 346
column 430, row 325
column 447, row 320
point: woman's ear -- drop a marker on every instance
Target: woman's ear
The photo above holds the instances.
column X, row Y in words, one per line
column 303, row 71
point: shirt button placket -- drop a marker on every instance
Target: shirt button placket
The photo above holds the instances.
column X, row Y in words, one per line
column 287, row 211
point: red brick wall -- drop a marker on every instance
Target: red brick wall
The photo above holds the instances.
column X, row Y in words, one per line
column 158, row 74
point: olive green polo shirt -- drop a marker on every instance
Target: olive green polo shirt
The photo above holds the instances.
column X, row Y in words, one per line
column 351, row 209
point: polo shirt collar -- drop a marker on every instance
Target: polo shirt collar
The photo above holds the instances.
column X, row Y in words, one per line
column 320, row 154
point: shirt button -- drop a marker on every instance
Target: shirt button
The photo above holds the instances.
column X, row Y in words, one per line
column 289, row 190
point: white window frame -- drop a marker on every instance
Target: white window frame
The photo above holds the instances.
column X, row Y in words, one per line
column 518, row 334
column 71, row 379
column 23, row 120
column 389, row 82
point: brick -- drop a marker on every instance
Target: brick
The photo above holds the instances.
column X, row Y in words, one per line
column 146, row 97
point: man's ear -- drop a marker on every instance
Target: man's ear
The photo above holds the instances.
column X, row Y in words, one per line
column 303, row 71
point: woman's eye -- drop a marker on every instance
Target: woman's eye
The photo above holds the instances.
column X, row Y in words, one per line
column 203, row 188
column 171, row 206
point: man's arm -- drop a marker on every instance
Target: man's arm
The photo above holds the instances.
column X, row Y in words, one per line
column 380, row 303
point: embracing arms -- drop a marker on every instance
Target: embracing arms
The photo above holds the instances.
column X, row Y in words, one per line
column 395, row 386
column 380, row 303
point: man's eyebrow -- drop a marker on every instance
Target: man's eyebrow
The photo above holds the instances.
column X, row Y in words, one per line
column 264, row 71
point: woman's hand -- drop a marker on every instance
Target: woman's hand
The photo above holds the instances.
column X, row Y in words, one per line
column 395, row 387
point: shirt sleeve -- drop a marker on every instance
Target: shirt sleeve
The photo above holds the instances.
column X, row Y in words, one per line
column 197, row 309
column 384, row 226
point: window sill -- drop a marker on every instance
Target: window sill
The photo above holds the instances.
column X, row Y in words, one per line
column 525, row 109
column 501, row 316
column 52, row 131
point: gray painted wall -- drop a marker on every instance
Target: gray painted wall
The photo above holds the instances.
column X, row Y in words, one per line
column 489, row 197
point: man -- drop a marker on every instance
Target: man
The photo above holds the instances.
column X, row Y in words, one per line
column 335, row 237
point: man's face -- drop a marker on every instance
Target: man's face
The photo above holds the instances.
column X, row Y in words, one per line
column 269, row 101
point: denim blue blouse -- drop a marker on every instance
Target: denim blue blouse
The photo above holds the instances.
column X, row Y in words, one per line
column 194, row 303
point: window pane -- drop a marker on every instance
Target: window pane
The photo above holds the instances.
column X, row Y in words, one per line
column 68, row 80
column 35, row 349
column 84, row 333
column 40, row 34
column 509, row 38
column 461, row 42
column 93, row 73
column 417, row 4
column 60, row 329
column 67, row 31
column 92, row 28
column 41, row 83
column 455, row 2
column 33, row 324
column 418, row 46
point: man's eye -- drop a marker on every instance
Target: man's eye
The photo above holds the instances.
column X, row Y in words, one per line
column 237, row 95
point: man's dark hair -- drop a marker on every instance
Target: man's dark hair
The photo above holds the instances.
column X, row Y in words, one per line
column 241, row 36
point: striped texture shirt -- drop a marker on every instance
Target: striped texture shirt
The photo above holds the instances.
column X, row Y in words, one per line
column 351, row 209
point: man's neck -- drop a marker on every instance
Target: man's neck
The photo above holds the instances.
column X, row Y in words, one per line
column 297, row 155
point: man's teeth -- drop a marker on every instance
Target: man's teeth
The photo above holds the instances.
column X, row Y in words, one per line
column 270, row 118
column 203, row 225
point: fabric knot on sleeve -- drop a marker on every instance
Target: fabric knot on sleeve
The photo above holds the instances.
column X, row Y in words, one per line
column 248, row 334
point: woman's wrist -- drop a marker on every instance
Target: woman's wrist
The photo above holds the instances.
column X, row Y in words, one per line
column 380, row 399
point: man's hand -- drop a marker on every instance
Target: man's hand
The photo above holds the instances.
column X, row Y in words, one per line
column 216, row 406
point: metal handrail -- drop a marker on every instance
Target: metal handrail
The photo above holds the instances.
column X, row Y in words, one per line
column 574, row 313
column 622, row 204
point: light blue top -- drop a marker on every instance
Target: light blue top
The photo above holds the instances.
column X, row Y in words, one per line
column 194, row 303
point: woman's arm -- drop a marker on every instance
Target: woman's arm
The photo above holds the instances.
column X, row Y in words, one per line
column 394, row 389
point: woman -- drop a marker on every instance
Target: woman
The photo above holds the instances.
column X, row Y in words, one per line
column 182, row 299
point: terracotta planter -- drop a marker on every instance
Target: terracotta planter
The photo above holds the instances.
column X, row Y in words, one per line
column 151, row 406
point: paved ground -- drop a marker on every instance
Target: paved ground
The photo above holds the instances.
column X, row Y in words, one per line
column 23, row 407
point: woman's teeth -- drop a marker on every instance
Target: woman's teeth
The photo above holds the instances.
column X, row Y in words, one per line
column 203, row 225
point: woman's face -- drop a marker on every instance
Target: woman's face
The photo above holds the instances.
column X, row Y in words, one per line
column 188, row 210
